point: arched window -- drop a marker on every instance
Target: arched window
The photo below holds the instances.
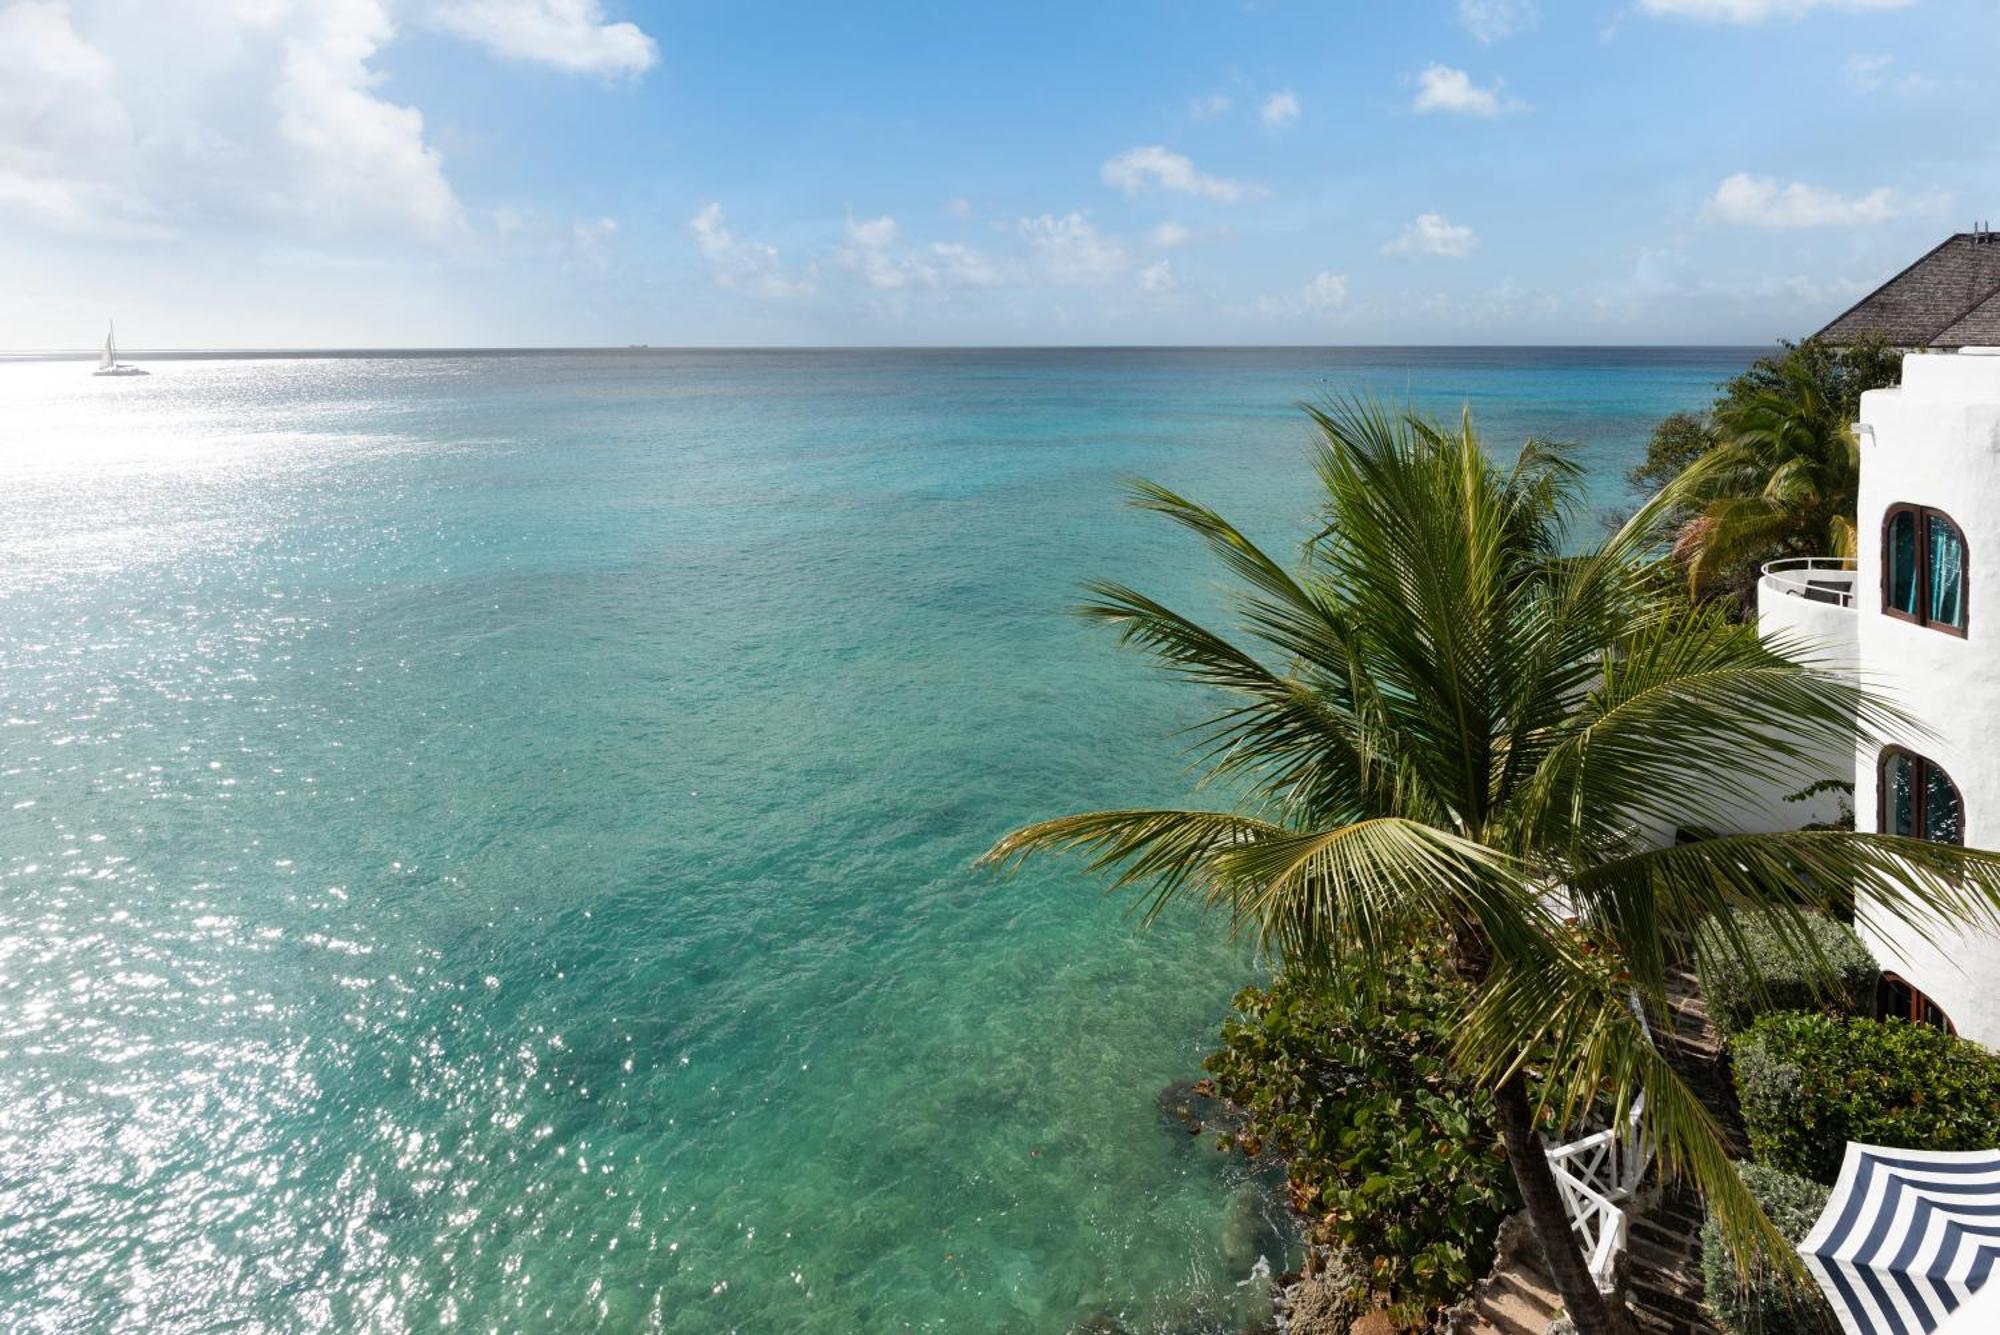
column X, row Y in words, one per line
column 1918, row 799
column 1923, row 568
column 1896, row 999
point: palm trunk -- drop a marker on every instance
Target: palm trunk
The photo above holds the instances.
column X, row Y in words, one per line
column 1589, row 1309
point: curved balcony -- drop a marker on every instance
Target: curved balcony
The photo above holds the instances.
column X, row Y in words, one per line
column 1809, row 601
column 1819, row 579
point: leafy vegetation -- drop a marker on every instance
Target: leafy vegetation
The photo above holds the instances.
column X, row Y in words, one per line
column 1826, row 968
column 1841, row 373
column 1392, row 1152
column 1808, row 1084
column 1440, row 710
column 1779, row 464
column 1768, row 1303
column 1676, row 444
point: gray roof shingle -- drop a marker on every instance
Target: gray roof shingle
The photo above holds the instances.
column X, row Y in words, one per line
column 1948, row 299
column 1980, row 328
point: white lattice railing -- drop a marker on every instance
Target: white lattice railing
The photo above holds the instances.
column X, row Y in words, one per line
column 1596, row 1175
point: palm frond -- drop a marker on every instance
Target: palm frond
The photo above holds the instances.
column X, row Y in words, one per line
column 1314, row 743
column 1439, row 718
column 1569, row 1012
column 1334, row 897
column 1170, row 852
column 1690, row 718
column 1927, row 888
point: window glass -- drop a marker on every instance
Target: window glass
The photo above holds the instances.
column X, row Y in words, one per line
column 1943, row 821
column 1901, row 553
column 1902, row 795
column 1947, row 572
column 1895, row 999
column 1919, row 800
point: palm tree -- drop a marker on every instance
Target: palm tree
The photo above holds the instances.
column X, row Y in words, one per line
column 1442, row 724
column 1782, row 482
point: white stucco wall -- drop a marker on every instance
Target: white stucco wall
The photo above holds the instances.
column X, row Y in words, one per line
column 1826, row 634
column 1935, row 441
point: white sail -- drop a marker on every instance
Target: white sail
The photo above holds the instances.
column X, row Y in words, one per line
column 107, row 361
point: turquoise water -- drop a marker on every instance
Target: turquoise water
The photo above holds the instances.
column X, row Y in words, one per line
column 489, row 838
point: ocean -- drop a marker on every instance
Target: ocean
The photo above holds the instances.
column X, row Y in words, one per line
column 490, row 839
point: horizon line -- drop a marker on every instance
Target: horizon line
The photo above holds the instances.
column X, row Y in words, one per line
column 508, row 349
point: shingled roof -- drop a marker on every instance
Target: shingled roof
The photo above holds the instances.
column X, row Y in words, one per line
column 1948, row 299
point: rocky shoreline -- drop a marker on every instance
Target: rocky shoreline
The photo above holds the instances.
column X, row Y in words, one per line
column 1315, row 1299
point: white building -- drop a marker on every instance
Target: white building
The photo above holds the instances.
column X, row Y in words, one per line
column 1914, row 612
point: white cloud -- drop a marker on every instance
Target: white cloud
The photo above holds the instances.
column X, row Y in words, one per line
column 589, row 243
column 62, row 124
column 1070, row 250
column 1055, row 250
column 1442, row 88
column 1667, row 285
column 871, row 252
column 1872, row 74
column 1326, row 292
column 1280, row 108
column 52, row 78
column 1493, row 20
column 1432, row 234
column 1321, row 295
column 740, row 265
column 872, row 233
column 367, row 159
column 1152, row 165
column 961, row 207
column 1744, row 200
column 568, row 34
column 1209, row 107
column 1756, row 11
column 1168, row 235
column 1868, row 72
column 956, row 265
column 213, row 117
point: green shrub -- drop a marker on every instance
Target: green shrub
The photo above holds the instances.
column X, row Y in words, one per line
column 1390, row 1155
column 1736, row 997
column 1767, row 1305
column 1810, row 1083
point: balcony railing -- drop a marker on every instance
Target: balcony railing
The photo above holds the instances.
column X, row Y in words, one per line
column 1596, row 1176
column 1817, row 579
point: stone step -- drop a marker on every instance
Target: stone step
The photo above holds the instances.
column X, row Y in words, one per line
column 1675, row 1302
column 1664, row 1284
column 1674, row 1237
column 1531, row 1289
column 1673, row 1273
column 1651, row 1324
column 1518, row 1300
column 1509, row 1315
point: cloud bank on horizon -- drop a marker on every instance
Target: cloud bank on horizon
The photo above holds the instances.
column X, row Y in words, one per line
column 605, row 171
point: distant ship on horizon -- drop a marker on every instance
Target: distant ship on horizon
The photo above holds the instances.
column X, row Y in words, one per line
column 107, row 360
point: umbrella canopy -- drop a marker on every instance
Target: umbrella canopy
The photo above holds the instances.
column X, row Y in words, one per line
column 1906, row 1237
column 1979, row 1316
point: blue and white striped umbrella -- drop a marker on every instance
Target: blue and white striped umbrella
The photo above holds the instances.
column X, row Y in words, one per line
column 1906, row 1237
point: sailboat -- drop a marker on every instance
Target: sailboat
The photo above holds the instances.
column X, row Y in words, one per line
column 107, row 360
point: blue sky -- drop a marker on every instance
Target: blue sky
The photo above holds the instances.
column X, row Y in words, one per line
column 472, row 172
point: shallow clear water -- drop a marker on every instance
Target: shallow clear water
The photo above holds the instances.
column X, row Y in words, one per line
column 490, row 838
